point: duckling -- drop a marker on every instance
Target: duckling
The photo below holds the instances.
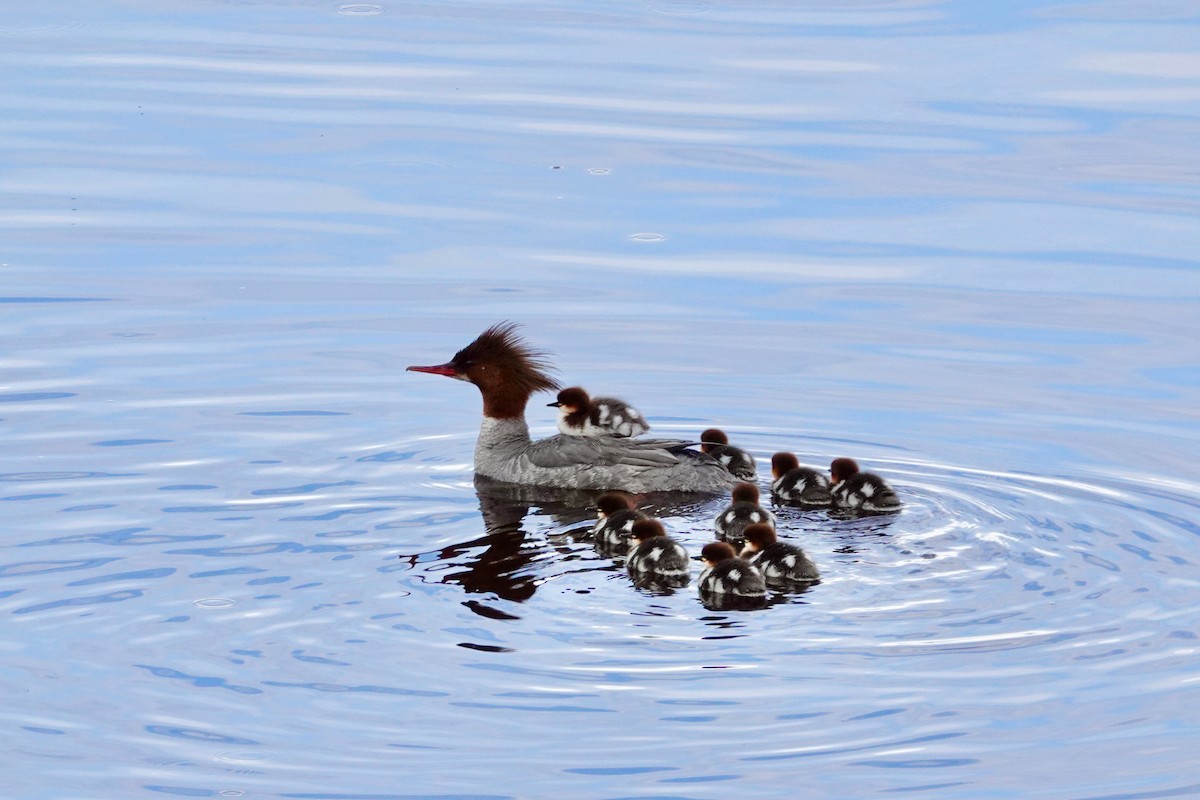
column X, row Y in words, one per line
column 743, row 511
column 615, row 516
column 715, row 443
column 860, row 491
column 728, row 581
column 796, row 484
column 657, row 560
column 783, row 565
column 581, row 415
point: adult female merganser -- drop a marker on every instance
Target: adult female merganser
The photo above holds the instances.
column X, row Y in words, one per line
column 615, row 514
column 507, row 372
column 729, row 581
column 581, row 415
column 860, row 491
column 783, row 565
column 743, row 511
column 715, row 443
column 657, row 560
column 793, row 483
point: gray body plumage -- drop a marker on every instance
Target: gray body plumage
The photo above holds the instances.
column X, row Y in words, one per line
column 803, row 485
column 505, row 452
column 783, row 564
column 865, row 491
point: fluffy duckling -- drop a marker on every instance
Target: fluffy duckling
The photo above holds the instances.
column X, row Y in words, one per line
column 728, row 581
column 615, row 516
column 783, row 565
column 793, row 483
column 860, row 491
column 657, row 559
column 581, row 415
column 743, row 511
column 715, row 443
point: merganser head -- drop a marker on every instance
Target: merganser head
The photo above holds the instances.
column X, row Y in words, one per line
column 716, row 552
column 647, row 529
column 783, row 463
column 506, row 370
column 612, row 502
column 710, row 437
column 758, row 536
column 745, row 493
column 842, row 468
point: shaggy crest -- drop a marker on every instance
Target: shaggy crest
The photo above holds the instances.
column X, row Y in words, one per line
column 528, row 369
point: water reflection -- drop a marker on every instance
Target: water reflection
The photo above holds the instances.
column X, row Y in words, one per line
column 502, row 560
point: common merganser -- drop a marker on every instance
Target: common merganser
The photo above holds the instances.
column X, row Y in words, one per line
column 743, row 511
column 581, row 415
column 783, row 565
column 507, row 372
column 860, row 491
column 657, row 560
column 729, row 581
column 715, row 443
column 615, row 514
column 796, row 484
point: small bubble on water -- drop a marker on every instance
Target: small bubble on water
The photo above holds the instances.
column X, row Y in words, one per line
column 646, row 237
column 599, row 171
column 360, row 9
column 214, row 602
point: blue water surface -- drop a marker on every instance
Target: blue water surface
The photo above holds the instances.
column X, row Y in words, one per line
column 242, row 553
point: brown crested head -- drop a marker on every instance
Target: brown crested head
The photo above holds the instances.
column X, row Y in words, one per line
column 647, row 529
column 745, row 493
column 505, row 368
column 783, row 463
column 612, row 502
column 716, row 552
column 710, row 437
column 842, row 468
column 760, row 535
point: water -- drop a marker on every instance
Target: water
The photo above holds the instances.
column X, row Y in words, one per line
column 243, row 553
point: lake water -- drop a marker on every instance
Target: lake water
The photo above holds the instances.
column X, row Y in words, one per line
column 243, row 553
